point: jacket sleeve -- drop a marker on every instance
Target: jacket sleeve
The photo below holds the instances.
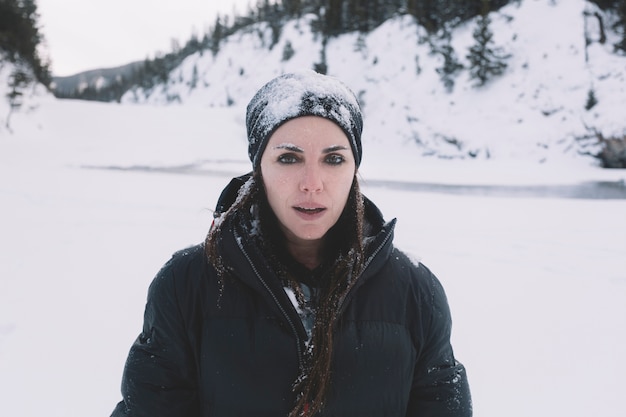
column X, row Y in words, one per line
column 159, row 377
column 440, row 386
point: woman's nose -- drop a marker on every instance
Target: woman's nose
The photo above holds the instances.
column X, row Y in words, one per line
column 311, row 181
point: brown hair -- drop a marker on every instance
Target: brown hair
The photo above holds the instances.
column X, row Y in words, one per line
column 346, row 255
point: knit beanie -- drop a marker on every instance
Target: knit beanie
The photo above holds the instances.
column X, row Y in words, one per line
column 302, row 93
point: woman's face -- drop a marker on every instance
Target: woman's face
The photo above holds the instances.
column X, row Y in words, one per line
column 307, row 169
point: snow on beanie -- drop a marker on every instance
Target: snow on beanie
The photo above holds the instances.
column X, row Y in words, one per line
column 303, row 93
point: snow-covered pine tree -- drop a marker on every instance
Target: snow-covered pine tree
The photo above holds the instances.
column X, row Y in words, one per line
column 486, row 60
column 216, row 36
column 451, row 65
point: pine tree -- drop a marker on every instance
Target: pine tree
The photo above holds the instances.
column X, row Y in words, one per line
column 486, row 61
column 20, row 36
column 591, row 99
column 450, row 68
column 293, row 8
column 451, row 65
column 216, row 36
column 621, row 25
column 322, row 66
column 288, row 51
column 425, row 12
column 333, row 17
column 193, row 83
column 19, row 80
column 19, row 42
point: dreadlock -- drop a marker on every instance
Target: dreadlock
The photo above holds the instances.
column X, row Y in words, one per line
column 246, row 198
column 313, row 385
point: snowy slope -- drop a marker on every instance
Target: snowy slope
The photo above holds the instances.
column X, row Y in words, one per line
column 535, row 111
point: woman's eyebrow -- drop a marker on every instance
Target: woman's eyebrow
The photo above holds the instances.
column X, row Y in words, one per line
column 294, row 148
column 289, row 147
column 335, row 148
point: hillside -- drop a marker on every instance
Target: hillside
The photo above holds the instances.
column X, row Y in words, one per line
column 537, row 110
column 90, row 79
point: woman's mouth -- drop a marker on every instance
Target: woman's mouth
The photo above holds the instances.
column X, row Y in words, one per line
column 309, row 213
column 310, row 210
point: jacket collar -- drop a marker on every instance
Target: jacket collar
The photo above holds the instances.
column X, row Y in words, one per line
column 242, row 254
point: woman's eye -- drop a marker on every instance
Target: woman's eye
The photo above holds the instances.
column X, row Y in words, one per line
column 287, row 159
column 335, row 159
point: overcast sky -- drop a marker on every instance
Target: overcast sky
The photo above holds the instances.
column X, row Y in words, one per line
column 89, row 34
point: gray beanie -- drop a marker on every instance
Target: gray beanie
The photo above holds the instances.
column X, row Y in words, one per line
column 303, row 93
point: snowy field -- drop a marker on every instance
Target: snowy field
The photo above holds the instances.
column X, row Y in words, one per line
column 92, row 209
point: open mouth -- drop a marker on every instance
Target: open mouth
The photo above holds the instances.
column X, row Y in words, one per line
column 310, row 210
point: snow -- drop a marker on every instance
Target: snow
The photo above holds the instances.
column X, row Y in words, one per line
column 96, row 197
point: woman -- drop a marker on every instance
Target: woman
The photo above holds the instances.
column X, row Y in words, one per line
column 297, row 303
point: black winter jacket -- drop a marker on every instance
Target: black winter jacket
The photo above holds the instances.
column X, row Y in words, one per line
column 212, row 351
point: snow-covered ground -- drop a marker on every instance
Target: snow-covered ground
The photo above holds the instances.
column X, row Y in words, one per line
column 96, row 197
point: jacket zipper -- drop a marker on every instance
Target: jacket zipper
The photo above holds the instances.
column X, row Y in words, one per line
column 280, row 306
